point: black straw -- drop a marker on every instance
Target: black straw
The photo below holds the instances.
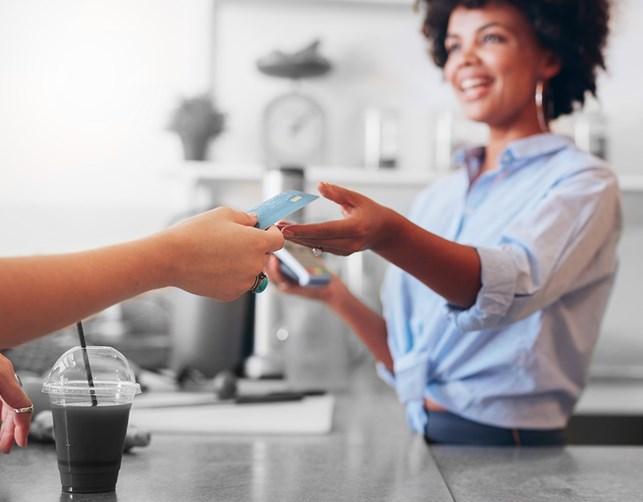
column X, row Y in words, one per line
column 88, row 370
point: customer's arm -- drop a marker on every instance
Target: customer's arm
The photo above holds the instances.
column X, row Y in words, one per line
column 216, row 254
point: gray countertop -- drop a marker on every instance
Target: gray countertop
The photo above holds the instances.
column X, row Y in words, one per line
column 369, row 456
column 570, row 474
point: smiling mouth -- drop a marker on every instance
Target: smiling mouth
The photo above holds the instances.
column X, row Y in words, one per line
column 472, row 83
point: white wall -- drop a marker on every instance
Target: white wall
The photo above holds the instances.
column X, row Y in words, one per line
column 620, row 88
column 378, row 57
column 85, row 92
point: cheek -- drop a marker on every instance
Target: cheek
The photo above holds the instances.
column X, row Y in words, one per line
column 521, row 81
column 498, row 63
column 513, row 69
column 448, row 72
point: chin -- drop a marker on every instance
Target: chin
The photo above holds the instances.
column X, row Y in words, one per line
column 475, row 110
column 477, row 115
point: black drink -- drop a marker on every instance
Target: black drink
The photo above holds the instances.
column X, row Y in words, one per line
column 89, row 444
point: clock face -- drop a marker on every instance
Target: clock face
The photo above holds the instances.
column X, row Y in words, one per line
column 293, row 130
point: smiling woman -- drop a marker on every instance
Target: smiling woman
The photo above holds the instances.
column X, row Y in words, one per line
column 500, row 278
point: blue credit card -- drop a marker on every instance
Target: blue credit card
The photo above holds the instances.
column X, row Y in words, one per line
column 278, row 207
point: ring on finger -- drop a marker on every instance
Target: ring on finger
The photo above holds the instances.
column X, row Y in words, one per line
column 317, row 251
column 24, row 411
column 260, row 284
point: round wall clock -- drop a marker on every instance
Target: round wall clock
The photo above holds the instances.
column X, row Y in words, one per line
column 294, row 128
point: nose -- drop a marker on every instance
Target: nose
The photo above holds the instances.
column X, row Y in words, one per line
column 468, row 55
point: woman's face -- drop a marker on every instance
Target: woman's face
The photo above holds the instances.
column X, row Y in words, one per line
column 494, row 62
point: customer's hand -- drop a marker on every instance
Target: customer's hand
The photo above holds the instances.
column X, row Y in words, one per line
column 15, row 426
column 219, row 253
column 365, row 224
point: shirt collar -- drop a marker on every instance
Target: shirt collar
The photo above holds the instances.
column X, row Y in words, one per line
column 516, row 151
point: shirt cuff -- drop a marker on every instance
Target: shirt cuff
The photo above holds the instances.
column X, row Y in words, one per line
column 385, row 374
column 409, row 380
column 416, row 416
column 498, row 276
column 411, row 376
column 414, row 408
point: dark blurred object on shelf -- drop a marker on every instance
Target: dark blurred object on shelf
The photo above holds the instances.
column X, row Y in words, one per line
column 225, row 385
column 197, row 121
column 208, row 335
column 305, row 63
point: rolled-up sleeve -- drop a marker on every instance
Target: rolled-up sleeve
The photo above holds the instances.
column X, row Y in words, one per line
column 498, row 278
column 551, row 250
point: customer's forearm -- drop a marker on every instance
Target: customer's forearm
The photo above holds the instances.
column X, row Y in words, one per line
column 41, row 294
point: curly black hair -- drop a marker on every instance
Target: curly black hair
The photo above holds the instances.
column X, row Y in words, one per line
column 574, row 30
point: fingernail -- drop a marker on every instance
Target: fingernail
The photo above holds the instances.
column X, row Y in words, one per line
column 287, row 233
column 254, row 215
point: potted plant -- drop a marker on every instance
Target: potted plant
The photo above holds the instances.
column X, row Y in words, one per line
column 197, row 121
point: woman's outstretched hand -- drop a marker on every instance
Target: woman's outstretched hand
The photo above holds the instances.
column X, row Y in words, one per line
column 365, row 224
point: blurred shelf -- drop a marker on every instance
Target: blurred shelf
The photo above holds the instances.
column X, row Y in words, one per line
column 631, row 182
column 349, row 175
column 612, row 396
column 207, row 171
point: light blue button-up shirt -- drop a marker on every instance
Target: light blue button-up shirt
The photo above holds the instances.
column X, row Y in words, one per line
column 545, row 225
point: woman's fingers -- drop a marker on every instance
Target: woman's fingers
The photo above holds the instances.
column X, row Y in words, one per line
column 337, row 247
column 336, row 229
column 6, row 433
column 22, row 425
column 337, row 194
column 14, row 396
column 15, row 426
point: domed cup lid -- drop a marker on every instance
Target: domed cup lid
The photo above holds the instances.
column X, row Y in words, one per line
column 112, row 378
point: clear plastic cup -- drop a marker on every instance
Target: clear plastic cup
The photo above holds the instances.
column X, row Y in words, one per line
column 90, row 421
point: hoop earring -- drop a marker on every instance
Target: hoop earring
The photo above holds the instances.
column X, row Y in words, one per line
column 540, row 111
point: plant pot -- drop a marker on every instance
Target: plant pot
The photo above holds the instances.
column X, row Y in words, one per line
column 195, row 147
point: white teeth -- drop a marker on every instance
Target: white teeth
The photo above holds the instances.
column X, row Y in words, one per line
column 469, row 83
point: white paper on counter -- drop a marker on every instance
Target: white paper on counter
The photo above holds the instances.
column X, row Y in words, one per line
column 311, row 415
